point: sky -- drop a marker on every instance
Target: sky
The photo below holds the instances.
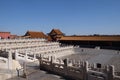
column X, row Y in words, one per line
column 72, row 17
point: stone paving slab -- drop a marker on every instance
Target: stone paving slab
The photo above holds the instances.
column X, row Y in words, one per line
column 40, row 75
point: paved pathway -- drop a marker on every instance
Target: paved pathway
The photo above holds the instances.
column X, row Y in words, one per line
column 40, row 75
column 36, row 74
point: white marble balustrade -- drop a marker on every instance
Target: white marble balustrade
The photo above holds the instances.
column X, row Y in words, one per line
column 34, row 46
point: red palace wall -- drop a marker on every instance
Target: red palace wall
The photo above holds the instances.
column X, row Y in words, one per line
column 4, row 35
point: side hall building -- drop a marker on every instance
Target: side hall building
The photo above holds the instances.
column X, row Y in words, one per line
column 104, row 41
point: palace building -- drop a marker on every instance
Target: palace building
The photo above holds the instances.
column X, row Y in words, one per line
column 55, row 34
column 103, row 41
column 92, row 41
column 35, row 34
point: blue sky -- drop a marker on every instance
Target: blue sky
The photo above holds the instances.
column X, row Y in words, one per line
column 82, row 17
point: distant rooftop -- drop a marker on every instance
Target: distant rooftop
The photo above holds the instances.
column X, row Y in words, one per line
column 35, row 34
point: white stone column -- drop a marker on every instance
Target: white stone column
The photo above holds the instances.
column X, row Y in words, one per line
column 9, row 60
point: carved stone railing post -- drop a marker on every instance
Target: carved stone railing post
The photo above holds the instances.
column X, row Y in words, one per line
column 24, row 70
column 73, row 62
column 111, row 73
column 16, row 55
column 51, row 62
column 10, row 60
column 34, row 56
column 40, row 60
column 26, row 57
column 66, row 65
column 85, row 70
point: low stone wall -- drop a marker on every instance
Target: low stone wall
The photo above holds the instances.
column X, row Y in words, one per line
column 81, row 71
